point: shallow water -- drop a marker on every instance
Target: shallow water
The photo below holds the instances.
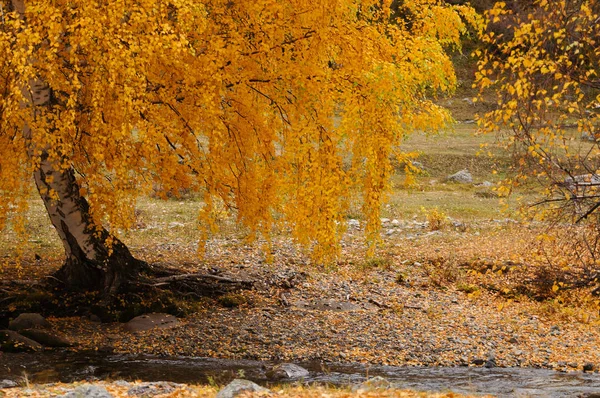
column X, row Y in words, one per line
column 504, row 382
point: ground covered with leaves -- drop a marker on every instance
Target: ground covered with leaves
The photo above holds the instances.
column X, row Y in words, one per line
column 459, row 295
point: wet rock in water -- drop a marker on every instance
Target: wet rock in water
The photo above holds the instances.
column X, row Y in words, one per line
column 287, row 371
column 151, row 321
column 28, row 321
column 88, row 391
column 240, row 386
column 588, row 367
column 7, row 384
column 47, row 338
column 12, row 341
column 463, row 177
column 374, row 383
column 152, row 389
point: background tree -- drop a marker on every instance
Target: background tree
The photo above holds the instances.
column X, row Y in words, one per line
column 282, row 110
column 545, row 69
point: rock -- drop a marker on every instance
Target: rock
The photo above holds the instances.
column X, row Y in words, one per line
column 587, row 136
column 152, row 389
column 462, row 177
column 588, row 367
column 12, row 341
column 239, row 386
column 491, row 362
column 88, row 391
column 150, row 321
column 28, row 321
column 47, row 338
column 95, row 318
column 395, row 222
column 7, row 383
column 418, row 165
column 459, row 225
column 287, row 371
column 478, row 361
column 373, row 384
column 353, row 223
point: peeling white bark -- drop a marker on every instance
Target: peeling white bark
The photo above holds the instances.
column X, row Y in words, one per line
column 66, row 212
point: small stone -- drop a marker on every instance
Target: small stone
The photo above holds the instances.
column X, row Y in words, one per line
column 478, row 361
column 95, row 318
column 588, row 367
column 150, row 321
column 353, row 223
column 418, row 165
column 287, row 371
column 28, row 321
column 7, row 383
column 373, row 384
column 490, row 363
column 240, row 386
column 152, row 389
column 463, row 177
column 395, row 222
column 88, row 391
column 385, row 220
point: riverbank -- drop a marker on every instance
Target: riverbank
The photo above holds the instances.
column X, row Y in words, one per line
column 165, row 390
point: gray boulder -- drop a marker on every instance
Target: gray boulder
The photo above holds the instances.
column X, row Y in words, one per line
column 150, row 321
column 287, row 371
column 47, row 338
column 88, row 391
column 240, row 386
column 12, row 341
column 462, row 177
column 28, row 321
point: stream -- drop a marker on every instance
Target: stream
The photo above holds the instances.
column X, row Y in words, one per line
column 67, row 366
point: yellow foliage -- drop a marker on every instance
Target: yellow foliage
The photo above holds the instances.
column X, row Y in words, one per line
column 280, row 109
column 544, row 74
